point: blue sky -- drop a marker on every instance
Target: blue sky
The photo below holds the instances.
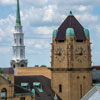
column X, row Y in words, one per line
column 39, row 19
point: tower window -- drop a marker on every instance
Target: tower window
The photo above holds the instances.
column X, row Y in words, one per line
column 4, row 94
column 13, row 66
column 15, row 40
column 80, row 91
column 84, row 77
column 22, row 65
column 21, row 52
column 60, row 88
column 20, row 41
column 78, row 77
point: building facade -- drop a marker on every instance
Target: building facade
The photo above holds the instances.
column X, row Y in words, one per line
column 29, row 71
column 9, row 90
column 34, row 87
column 71, row 60
column 18, row 46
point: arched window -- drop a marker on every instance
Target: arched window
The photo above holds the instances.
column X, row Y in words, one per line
column 14, row 66
column 4, row 94
column 60, row 88
column 22, row 65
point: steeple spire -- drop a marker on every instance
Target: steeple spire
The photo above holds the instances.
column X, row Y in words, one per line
column 18, row 21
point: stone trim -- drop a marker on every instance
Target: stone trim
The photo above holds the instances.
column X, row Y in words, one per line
column 71, row 69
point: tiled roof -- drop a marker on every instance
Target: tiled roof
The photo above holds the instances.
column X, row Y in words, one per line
column 71, row 22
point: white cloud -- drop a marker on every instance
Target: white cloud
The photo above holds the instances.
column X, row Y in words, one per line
column 87, row 18
column 49, row 12
column 5, row 50
column 38, row 46
column 8, row 1
column 7, row 27
column 83, row 8
column 44, row 30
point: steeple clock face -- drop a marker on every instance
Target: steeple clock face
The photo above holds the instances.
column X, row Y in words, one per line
column 80, row 54
column 59, row 54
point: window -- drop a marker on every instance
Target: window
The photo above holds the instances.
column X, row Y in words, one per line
column 22, row 65
column 84, row 77
column 20, row 41
column 21, row 52
column 22, row 98
column 14, row 66
column 60, row 88
column 38, row 86
column 15, row 41
column 80, row 91
column 25, row 85
column 78, row 77
column 4, row 94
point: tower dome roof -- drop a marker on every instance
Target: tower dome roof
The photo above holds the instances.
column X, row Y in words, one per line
column 71, row 22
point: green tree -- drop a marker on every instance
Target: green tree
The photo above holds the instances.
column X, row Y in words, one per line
column 1, row 71
column 43, row 66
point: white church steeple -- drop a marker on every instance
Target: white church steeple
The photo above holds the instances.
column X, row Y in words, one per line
column 18, row 45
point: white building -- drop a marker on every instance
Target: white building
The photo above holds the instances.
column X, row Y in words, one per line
column 18, row 46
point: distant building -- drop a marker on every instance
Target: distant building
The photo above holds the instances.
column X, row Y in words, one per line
column 18, row 46
column 96, row 76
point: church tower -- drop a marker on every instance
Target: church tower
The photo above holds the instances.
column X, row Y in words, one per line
column 71, row 60
column 18, row 46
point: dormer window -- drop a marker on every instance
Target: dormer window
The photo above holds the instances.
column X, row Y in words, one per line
column 25, row 85
column 38, row 86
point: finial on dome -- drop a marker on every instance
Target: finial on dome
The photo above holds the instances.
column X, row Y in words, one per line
column 70, row 14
